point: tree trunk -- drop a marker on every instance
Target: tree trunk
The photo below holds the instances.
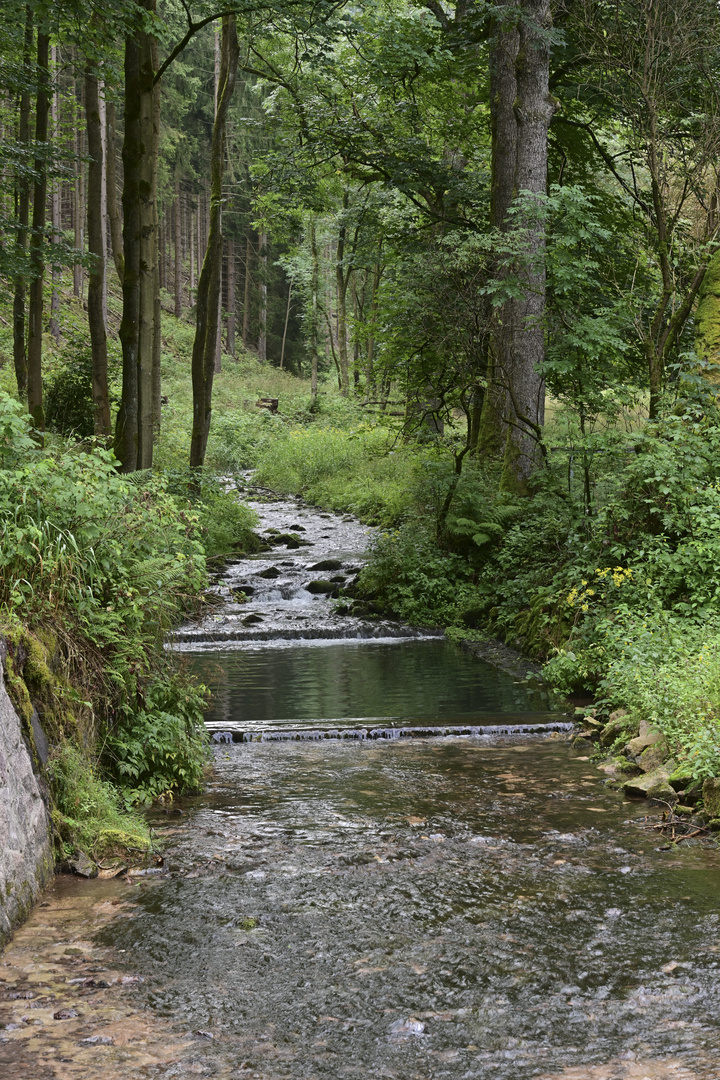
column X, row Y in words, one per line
column 23, row 214
column 116, row 242
column 231, row 297
column 78, row 200
column 246, row 293
column 148, row 252
column 314, row 327
column 192, row 256
column 55, row 203
column 155, row 255
column 342, row 277
column 178, row 253
column 505, row 43
column 287, row 319
column 370, row 354
column 262, row 333
column 204, row 346
column 42, row 108
column 533, row 109
column 96, row 246
column 126, row 426
column 218, row 338
column 521, row 109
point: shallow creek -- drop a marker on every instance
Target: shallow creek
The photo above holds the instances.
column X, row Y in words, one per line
column 353, row 898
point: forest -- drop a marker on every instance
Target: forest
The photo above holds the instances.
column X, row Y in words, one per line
column 452, row 268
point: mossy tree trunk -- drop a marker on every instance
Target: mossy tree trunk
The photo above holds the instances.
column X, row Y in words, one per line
column 23, row 213
column 96, row 247
column 37, row 243
column 208, row 292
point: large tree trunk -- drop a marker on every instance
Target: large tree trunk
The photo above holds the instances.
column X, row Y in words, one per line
column 533, row 109
column 126, row 427
column 155, row 253
column 55, row 203
column 503, row 127
column 23, row 214
column 148, row 253
column 208, row 309
column 42, row 108
column 521, row 109
column 116, row 241
column 134, row 430
column 96, row 246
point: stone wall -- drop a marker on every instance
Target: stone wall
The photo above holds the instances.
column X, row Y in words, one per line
column 26, row 862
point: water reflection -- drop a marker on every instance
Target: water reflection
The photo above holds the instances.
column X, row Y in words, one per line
column 350, row 682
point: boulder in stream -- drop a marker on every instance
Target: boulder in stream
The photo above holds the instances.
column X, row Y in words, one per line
column 319, row 587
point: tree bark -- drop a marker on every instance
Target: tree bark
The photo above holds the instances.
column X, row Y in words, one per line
column 231, row 297
column 155, row 254
column 533, row 109
column 126, row 426
column 287, row 319
column 178, row 253
column 96, row 247
column 342, row 277
column 78, row 200
column 23, row 214
column 521, row 109
column 55, row 204
column 37, row 264
column 116, row 241
column 246, row 293
column 314, row 327
column 262, row 333
column 505, row 44
column 204, row 346
column 192, row 256
column 148, row 252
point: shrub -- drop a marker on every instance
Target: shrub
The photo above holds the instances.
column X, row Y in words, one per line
column 160, row 748
column 88, row 812
column 67, row 389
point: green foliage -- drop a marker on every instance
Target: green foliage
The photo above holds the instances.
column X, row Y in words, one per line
column 67, row 386
column 356, row 471
column 160, row 747
column 103, row 565
column 88, row 811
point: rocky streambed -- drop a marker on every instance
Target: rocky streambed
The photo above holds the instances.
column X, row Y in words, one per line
column 474, row 905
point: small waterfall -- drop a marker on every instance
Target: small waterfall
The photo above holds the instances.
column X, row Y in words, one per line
column 489, row 731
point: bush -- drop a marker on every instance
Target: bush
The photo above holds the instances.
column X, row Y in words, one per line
column 160, row 748
column 67, row 387
column 88, row 812
column 95, row 568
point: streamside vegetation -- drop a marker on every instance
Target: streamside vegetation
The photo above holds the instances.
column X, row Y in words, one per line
column 451, row 267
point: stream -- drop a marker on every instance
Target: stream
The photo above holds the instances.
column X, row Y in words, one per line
column 400, row 869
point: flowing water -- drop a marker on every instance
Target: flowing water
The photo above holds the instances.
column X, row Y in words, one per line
column 342, row 905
